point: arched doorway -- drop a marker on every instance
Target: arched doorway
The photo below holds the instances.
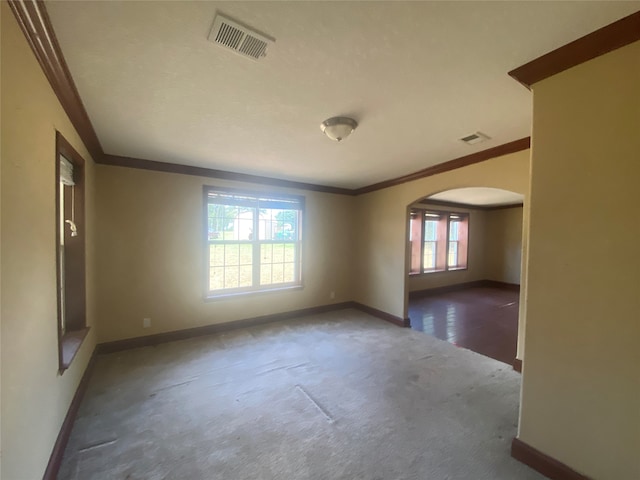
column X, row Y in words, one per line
column 463, row 269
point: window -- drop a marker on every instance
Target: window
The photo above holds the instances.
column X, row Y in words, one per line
column 253, row 241
column 438, row 240
column 70, row 251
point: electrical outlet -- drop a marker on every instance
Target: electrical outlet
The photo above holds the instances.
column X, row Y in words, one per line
column 146, row 322
column 332, row 295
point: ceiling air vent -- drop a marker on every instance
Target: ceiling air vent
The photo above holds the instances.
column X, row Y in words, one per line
column 475, row 138
column 229, row 34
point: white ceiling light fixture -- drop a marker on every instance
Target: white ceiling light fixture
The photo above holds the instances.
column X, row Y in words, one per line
column 338, row 128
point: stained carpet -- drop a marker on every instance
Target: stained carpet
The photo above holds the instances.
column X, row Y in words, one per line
column 340, row 395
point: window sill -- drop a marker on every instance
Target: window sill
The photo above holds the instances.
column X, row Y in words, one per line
column 430, row 272
column 228, row 296
column 70, row 343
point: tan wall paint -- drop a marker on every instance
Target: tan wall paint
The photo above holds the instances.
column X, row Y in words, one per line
column 503, row 245
column 382, row 256
column 35, row 398
column 581, row 382
column 152, row 259
column 476, row 255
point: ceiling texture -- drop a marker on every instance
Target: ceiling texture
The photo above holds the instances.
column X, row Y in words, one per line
column 417, row 76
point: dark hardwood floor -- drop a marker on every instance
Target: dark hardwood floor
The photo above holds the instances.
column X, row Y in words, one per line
column 482, row 319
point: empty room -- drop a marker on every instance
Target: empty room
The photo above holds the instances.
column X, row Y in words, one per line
column 319, row 240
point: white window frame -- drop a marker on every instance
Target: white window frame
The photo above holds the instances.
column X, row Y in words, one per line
column 257, row 201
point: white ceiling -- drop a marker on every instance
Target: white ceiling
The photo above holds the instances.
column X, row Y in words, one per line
column 416, row 76
column 480, row 196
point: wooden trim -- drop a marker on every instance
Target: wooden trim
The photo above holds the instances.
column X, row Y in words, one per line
column 517, row 365
column 158, row 338
column 463, row 286
column 34, row 22
column 609, row 38
column 503, row 207
column 504, row 149
column 543, row 463
column 504, row 285
column 167, row 167
column 426, row 202
column 387, row 317
column 55, row 460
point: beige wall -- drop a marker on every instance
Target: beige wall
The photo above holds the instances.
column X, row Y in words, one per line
column 503, row 245
column 152, row 259
column 35, row 398
column 581, row 382
column 381, row 225
column 476, row 255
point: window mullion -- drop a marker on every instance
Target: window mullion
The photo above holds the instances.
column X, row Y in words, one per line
column 256, row 248
column 422, row 232
column 447, row 243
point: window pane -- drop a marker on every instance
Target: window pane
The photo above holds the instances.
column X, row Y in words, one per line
column 265, row 274
column 429, row 260
column 289, row 252
column 454, row 231
column 277, row 272
column 246, row 276
column 430, row 230
column 232, row 254
column 226, row 222
column 278, row 253
column 278, row 224
column 231, row 277
column 266, row 253
column 453, row 254
column 220, row 220
column 289, row 272
column 216, row 255
column 246, row 254
column 216, row 278
column 277, row 263
column 230, row 266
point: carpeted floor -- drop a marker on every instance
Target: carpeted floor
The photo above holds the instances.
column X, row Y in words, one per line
column 340, row 395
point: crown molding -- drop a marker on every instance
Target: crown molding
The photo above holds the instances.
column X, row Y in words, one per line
column 139, row 163
column 609, row 38
column 443, row 203
column 477, row 157
column 34, row 22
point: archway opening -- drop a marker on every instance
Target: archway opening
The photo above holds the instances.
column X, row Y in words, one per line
column 464, row 268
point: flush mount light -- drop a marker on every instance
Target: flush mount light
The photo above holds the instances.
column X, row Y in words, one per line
column 338, row 128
